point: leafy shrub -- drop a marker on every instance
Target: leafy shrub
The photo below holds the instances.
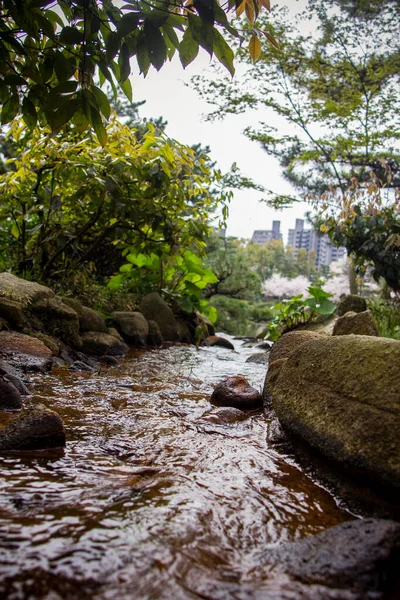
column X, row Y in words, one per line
column 296, row 311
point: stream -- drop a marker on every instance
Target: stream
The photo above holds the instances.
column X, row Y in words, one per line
column 155, row 496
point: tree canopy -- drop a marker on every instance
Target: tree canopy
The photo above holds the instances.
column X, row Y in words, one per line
column 55, row 55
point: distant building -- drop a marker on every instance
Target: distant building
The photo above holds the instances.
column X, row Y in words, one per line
column 311, row 240
column 260, row 236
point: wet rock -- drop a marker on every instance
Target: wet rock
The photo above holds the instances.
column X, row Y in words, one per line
column 351, row 303
column 225, row 416
column 155, row 337
column 132, row 326
column 359, row 555
column 99, row 344
column 237, row 392
column 341, row 394
column 259, row 358
column 274, row 369
column 12, row 311
column 11, row 375
column 184, row 332
column 10, row 397
column 264, row 346
column 217, row 340
column 25, row 353
column 34, row 429
column 361, row 323
column 52, row 343
column 24, row 292
column 290, row 341
column 59, row 320
column 154, row 308
column 79, row 365
column 115, row 333
column 91, row 320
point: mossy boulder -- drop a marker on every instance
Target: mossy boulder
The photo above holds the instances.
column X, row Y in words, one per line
column 154, row 308
column 91, row 320
column 97, row 343
column 274, row 369
column 155, row 337
column 12, row 311
column 132, row 326
column 361, row 323
column 289, row 342
column 342, row 395
column 351, row 303
column 37, row 307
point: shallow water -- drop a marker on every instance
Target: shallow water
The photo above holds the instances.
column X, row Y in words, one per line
column 153, row 497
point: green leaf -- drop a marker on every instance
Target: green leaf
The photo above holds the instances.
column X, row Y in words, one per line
column 102, row 100
column 10, row 109
column 202, row 32
column 63, row 66
column 142, row 56
column 185, row 304
column 128, row 23
column 188, row 48
column 126, row 87
column 14, row 80
column 156, row 46
column 140, row 260
column 223, row 52
column 116, row 282
column 112, row 46
column 29, row 112
column 327, row 307
column 15, row 230
column 71, row 36
column 64, row 114
column 123, row 62
column 98, row 126
column 66, row 87
column 212, row 314
column 171, row 33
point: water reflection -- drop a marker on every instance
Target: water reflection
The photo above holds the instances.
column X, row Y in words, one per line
column 152, row 498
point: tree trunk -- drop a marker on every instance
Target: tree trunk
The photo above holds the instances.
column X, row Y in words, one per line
column 352, row 278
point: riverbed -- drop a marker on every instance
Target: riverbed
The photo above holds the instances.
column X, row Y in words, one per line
column 156, row 494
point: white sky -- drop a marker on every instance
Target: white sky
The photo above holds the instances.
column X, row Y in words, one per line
column 167, row 95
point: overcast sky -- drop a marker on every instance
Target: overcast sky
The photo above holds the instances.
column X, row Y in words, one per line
column 167, row 95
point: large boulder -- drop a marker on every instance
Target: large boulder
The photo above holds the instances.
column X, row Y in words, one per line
column 12, row 311
column 236, row 392
column 132, row 326
column 58, row 319
column 351, row 303
column 25, row 353
column 290, row 341
column 154, row 308
column 91, row 320
column 154, row 338
column 361, row 323
column 27, row 293
column 35, row 429
column 342, row 395
column 359, row 555
column 96, row 343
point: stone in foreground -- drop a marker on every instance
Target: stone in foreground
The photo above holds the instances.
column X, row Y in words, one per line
column 10, row 397
column 37, row 428
column 359, row 555
column 237, row 392
column 342, row 395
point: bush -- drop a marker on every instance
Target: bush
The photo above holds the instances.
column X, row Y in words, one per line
column 387, row 316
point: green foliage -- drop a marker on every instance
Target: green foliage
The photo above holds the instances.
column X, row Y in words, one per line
column 67, row 203
column 53, row 52
column 177, row 273
column 239, row 317
column 368, row 225
column 298, row 311
column 336, row 87
column 234, row 276
column 386, row 314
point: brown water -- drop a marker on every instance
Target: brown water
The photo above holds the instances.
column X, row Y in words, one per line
column 153, row 498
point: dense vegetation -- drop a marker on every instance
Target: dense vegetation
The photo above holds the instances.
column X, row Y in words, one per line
column 103, row 205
